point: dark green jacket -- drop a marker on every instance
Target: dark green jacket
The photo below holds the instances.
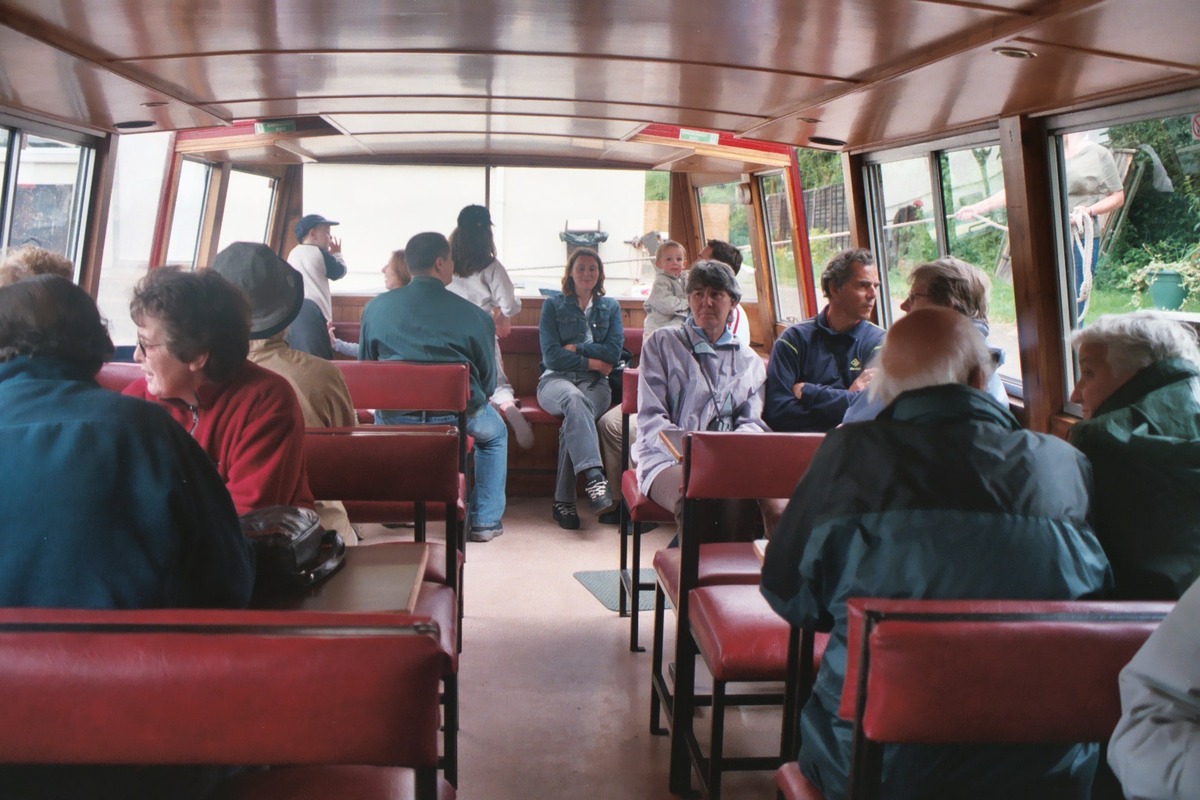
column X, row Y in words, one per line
column 425, row 322
column 943, row 496
column 1144, row 445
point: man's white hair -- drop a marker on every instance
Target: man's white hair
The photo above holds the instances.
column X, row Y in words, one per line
column 961, row 353
column 1136, row 340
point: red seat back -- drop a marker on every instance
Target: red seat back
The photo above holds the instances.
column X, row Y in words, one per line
column 116, row 375
column 629, row 391
column 736, row 465
column 408, row 386
column 218, row 687
column 384, row 463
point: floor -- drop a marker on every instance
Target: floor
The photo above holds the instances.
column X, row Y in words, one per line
column 554, row 705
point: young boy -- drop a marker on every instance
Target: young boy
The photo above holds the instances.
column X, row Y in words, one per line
column 667, row 304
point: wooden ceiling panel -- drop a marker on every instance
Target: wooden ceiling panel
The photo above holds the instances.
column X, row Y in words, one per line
column 1127, row 28
column 483, row 123
column 61, row 86
column 964, row 92
column 215, row 79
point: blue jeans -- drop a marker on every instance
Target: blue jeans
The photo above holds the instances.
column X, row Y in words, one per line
column 579, row 400
column 491, row 458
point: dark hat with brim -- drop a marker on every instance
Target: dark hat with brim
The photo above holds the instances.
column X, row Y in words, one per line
column 275, row 289
column 310, row 221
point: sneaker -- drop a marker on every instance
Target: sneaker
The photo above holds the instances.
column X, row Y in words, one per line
column 566, row 516
column 477, row 534
column 521, row 429
column 597, row 492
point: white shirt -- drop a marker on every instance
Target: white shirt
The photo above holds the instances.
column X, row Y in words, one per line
column 310, row 263
column 489, row 289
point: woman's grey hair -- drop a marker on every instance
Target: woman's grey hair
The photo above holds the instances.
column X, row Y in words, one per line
column 952, row 350
column 1135, row 341
column 713, row 275
column 953, row 283
column 838, row 270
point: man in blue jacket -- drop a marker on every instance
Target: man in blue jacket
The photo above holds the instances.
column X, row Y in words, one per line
column 818, row 366
column 943, row 496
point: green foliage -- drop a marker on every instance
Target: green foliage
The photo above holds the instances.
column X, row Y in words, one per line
column 818, row 168
column 658, row 186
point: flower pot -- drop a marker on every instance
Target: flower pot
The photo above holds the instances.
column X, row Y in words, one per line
column 1167, row 290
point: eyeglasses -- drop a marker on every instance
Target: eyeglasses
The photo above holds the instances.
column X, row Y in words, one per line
column 144, row 347
column 913, row 295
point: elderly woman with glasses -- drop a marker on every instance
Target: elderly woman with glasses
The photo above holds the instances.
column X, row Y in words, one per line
column 698, row 377
column 193, row 332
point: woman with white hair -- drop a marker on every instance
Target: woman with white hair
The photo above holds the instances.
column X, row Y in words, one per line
column 1139, row 386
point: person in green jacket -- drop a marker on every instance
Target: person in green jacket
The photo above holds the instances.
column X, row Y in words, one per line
column 1139, row 385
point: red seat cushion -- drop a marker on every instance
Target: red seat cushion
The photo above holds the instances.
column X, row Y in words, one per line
column 320, row 782
column 440, row 604
column 720, row 563
column 741, row 637
column 534, row 413
column 794, row 785
column 641, row 508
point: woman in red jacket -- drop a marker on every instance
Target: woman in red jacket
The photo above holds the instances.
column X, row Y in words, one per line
column 193, row 332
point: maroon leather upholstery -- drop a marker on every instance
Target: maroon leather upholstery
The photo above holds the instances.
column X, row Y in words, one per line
column 748, row 465
column 641, row 508
column 405, row 385
column 794, row 786
column 116, row 375
column 438, row 602
column 720, row 563
column 384, row 463
column 218, row 687
column 323, row 783
column 1050, row 668
column 741, row 637
column 629, row 391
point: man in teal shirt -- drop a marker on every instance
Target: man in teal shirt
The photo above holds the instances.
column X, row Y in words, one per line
column 423, row 322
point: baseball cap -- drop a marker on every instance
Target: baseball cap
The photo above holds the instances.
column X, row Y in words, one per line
column 474, row 216
column 310, row 221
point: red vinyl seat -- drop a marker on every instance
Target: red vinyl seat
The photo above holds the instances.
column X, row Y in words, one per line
column 717, row 466
column 984, row 672
column 116, row 375
column 178, row 687
column 793, row 785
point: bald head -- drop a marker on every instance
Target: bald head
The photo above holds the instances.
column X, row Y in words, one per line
column 931, row 347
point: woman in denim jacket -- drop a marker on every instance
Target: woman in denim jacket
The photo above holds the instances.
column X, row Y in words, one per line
column 581, row 337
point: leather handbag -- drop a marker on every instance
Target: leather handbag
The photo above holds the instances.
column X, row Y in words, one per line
column 290, row 547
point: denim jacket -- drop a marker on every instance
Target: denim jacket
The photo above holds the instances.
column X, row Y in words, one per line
column 563, row 322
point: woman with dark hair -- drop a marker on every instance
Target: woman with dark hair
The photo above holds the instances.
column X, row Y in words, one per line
column 480, row 278
column 193, row 334
column 108, row 504
column 581, row 337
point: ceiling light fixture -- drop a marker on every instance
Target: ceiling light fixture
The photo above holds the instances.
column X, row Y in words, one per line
column 1014, row 52
column 827, row 141
column 133, row 124
column 810, row 120
column 154, row 104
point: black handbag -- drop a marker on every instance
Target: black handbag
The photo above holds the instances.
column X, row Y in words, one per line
column 615, row 378
column 290, row 547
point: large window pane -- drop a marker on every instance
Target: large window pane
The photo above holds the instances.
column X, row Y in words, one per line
column 381, row 207
column 909, row 235
column 248, row 206
column 828, row 226
column 723, row 217
column 971, row 176
column 142, row 161
column 781, row 254
column 48, row 204
column 189, row 213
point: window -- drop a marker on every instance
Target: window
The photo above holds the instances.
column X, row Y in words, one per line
column 723, row 216
column 188, row 220
column 828, row 225
column 381, row 206
column 52, row 180
column 1129, row 213
column 248, row 204
column 945, row 200
column 142, row 161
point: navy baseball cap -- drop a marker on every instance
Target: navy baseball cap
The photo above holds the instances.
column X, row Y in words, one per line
column 308, row 222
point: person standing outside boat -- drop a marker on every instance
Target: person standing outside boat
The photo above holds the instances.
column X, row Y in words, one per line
column 318, row 258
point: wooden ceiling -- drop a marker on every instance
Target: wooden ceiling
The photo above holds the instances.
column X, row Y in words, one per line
column 575, row 81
